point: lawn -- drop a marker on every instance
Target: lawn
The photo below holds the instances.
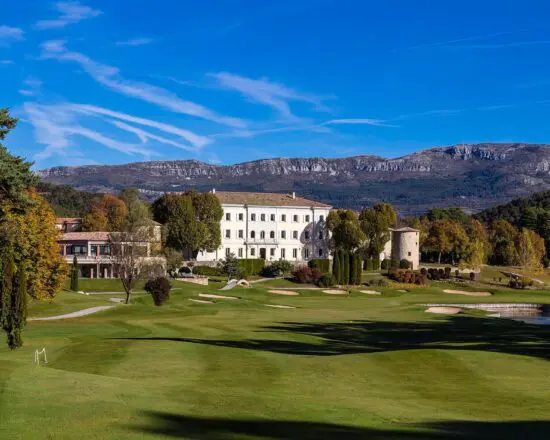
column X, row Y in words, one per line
column 343, row 367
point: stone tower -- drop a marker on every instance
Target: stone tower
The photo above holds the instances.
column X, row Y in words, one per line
column 405, row 245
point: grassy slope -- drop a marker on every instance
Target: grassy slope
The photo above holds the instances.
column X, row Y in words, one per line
column 336, row 367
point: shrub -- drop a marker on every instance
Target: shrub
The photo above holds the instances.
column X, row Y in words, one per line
column 526, row 282
column 277, row 269
column 423, row 271
column 306, row 275
column 546, row 262
column 457, row 273
column 184, row 269
column 386, row 264
column 383, row 283
column 404, row 264
column 207, row 271
column 370, row 265
column 320, row 263
column 394, row 264
column 447, row 272
column 159, row 288
column 252, row 266
column 327, row 280
column 472, row 276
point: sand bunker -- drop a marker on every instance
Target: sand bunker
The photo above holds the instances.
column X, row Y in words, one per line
column 463, row 292
column 336, row 292
column 444, row 310
column 201, row 301
column 211, row 295
column 370, row 292
column 284, row 292
column 278, row 306
column 402, row 291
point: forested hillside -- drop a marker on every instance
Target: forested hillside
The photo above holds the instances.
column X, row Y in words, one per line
column 65, row 200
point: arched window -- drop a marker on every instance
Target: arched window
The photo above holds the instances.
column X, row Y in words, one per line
column 272, row 234
column 262, row 234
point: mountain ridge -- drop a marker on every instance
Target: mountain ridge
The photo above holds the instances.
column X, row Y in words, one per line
column 471, row 176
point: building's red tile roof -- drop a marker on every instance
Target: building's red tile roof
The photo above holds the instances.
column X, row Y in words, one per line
column 85, row 236
column 265, row 199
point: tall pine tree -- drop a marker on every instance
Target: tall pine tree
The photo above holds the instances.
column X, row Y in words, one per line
column 6, row 295
column 19, row 307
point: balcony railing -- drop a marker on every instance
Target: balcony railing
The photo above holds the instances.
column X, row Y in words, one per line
column 265, row 241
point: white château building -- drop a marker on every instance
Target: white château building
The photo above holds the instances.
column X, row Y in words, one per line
column 403, row 245
column 270, row 226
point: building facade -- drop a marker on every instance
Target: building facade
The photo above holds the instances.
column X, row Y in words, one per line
column 93, row 250
column 404, row 244
column 271, row 226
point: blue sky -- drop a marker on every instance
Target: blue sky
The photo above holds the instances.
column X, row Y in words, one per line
column 225, row 81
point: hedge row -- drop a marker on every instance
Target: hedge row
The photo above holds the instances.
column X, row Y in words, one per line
column 322, row 264
column 252, row 266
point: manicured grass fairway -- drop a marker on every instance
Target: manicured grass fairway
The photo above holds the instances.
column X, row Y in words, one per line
column 353, row 367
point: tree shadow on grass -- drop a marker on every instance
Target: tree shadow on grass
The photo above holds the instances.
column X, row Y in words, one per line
column 456, row 333
column 182, row 426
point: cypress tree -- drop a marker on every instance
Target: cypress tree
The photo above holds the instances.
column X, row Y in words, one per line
column 345, row 277
column 336, row 266
column 352, row 270
column 359, row 267
column 342, row 276
column 74, row 275
column 19, row 307
column 6, row 296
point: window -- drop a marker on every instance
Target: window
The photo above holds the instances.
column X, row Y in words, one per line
column 93, row 250
column 320, row 252
column 78, row 249
column 241, row 233
column 306, row 253
column 283, row 234
column 295, row 253
column 252, row 217
column 307, row 218
column 283, row 253
column 228, row 233
column 228, row 216
column 283, row 217
column 272, row 217
column 321, row 218
column 272, row 252
column 262, row 217
column 105, row 249
column 262, row 235
column 252, row 234
column 272, row 234
column 295, row 218
column 240, row 252
column 320, row 235
column 410, row 254
column 227, row 252
column 241, row 217
column 306, row 235
column 252, row 252
column 295, row 235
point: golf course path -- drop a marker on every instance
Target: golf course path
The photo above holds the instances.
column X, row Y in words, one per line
column 76, row 314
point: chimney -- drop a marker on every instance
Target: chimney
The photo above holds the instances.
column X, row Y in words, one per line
column 293, row 195
column 213, row 190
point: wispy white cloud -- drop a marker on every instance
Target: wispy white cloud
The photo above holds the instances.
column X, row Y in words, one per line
column 503, row 45
column 10, row 34
column 373, row 122
column 135, row 42
column 70, row 13
column 32, row 87
column 453, row 41
column 110, row 77
column 271, row 94
column 55, row 125
column 197, row 140
column 6, row 62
